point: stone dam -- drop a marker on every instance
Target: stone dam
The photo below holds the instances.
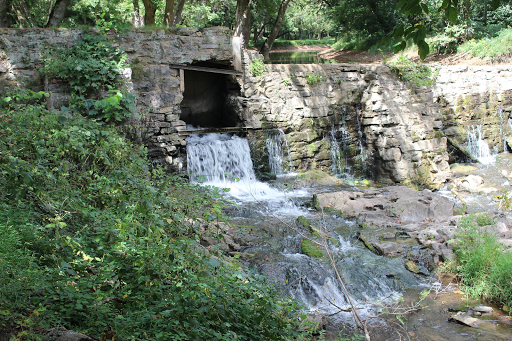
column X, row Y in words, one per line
column 342, row 118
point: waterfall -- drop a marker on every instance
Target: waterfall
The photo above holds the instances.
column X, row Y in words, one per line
column 477, row 146
column 338, row 139
column 275, row 141
column 349, row 157
column 222, row 160
column 219, row 159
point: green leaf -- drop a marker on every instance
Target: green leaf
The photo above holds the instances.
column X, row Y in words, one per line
column 452, row 14
column 399, row 47
column 214, row 263
column 62, row 119
column 423, row 49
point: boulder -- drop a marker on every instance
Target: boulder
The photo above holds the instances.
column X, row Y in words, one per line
column 68, row 335
column 470, row 183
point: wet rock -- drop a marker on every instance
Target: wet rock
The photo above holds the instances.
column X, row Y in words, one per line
column 409, row 265
column 387, row 206
column 314, row 323
column 465, row 319
column 483, row 309
column 470, row 183
column 388, row 235
column 318, row 177
column 387, row 248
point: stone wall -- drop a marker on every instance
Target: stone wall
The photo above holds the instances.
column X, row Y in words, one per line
column 388, row 129
column 149, row 56
column 381, row 127
column 476, row 95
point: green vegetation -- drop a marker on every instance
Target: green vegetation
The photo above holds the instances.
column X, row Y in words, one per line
column 419, row 74
column 482, row 262
column 494, row 48
column 92, row 238
column 311, row 249
column 314, row 78
column 257, row 67
column 90, row 67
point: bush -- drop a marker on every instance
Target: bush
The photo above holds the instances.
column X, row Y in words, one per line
column 93, row 239
column 482, row 263
column 494, row 48
column 91, row 67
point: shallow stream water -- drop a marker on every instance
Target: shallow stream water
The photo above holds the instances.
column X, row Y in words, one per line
column 265, row 215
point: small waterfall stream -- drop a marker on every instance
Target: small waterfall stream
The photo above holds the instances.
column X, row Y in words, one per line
column 224, row 161
column 278, row 151
column 477, row 146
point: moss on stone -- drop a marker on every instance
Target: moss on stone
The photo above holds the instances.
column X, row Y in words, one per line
column 305, row 223
column 412, row 267
column 311, row 249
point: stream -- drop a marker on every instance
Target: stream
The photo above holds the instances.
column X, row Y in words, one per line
column 265, row 216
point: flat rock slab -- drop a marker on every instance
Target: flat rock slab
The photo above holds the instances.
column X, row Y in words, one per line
column 393, row 205
column 464, row 319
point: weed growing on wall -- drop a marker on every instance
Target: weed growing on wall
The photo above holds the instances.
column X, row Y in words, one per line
column 257, row 67
column 92, row 67
column 314, row 78
column 418, row 74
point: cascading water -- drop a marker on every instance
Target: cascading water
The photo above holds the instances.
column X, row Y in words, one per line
column 477, row 146
column 278, row 151
column 275, row 245
column 219, row 159
column 339, row 139
column 349, row 158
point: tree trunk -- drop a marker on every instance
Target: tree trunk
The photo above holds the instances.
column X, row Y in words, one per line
column 137, row 19
column 58, row 13
column 265, row 49
column 149, row 15
column 243, row 22
column 169, row 13
column 177, row 12
column 6, row 14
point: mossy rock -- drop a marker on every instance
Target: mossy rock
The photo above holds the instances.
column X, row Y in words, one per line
column 412, row 267
column 304, row 223
column 311, row 249
column 458, row 168
column 316, row 176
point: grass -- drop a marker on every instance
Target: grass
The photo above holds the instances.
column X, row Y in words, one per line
column 298, row 42
column 482, row 262
column 494, row 48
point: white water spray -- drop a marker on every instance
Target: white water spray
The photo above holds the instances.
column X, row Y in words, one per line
column 477, row 146
column 278, row 151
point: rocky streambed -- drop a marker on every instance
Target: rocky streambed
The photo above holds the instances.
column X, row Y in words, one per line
column 387, row 244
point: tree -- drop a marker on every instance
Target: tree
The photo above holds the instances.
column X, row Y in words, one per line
column 6, row 13
column 58, row 13
column 417, row 32
column 178, row 11
column 169, row 13
column 149, row 14
column 243, row 22
column 267, row 45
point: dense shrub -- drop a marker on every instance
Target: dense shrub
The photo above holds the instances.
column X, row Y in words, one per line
column 92, row 239
column 482, row 262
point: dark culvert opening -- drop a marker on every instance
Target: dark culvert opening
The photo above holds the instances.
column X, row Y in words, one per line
column 206, row 97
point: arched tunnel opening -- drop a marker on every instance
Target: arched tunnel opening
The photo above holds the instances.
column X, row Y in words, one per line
column 207, row 90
